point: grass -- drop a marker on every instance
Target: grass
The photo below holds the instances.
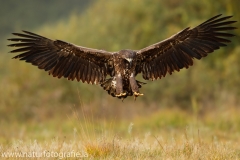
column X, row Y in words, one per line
column 165, row 134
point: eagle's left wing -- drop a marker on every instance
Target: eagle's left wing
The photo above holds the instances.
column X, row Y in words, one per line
column 63, row 59
column 178, row 51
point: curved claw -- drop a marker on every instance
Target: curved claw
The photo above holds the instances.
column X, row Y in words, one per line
column 138, row 94
column 121, row 94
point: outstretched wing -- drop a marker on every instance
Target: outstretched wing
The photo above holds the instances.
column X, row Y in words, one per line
column 178, row 51
column 62, row 59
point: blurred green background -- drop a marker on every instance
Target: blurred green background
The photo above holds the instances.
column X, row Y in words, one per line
column 30, row 95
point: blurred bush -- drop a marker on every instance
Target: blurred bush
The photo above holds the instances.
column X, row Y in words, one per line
column 114, row 25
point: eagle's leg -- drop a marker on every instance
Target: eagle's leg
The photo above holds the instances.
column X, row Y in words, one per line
column 119, row 86
column 134, row 86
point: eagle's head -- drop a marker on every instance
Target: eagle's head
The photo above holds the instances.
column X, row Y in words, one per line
column 128, row 57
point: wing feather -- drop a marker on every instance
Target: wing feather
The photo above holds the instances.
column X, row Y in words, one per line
column 179, row 50
column 68, row 69
column 62, row 59
column 89, row 73
column 79, row 71
column 72, row 74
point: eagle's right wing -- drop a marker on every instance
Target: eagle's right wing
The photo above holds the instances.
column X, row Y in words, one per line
column 178, row 51
column 60, row 58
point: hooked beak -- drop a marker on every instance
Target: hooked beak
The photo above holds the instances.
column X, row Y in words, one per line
column 130, row 61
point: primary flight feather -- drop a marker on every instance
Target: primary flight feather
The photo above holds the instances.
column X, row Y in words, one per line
column 63, row 59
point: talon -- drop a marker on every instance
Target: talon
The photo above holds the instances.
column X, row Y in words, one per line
column 137, row 94
column 121, row 94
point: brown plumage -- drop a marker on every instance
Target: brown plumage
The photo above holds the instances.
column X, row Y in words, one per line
column 62, row 59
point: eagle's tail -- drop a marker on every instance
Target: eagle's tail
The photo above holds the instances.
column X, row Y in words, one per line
column 110, row 86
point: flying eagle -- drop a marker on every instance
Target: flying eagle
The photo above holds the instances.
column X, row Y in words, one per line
column 63, row 59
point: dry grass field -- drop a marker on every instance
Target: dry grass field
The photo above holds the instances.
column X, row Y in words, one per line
column 166, row 134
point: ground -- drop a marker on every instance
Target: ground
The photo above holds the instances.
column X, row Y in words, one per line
column 165, row 134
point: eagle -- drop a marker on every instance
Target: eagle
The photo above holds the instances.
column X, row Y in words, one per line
column 116, row 71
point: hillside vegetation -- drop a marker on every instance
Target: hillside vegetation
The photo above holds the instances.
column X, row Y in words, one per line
column 116, row 25
column 27, row 14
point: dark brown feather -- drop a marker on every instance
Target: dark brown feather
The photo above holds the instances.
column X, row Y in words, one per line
column 178, row 51
column 61, row 58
